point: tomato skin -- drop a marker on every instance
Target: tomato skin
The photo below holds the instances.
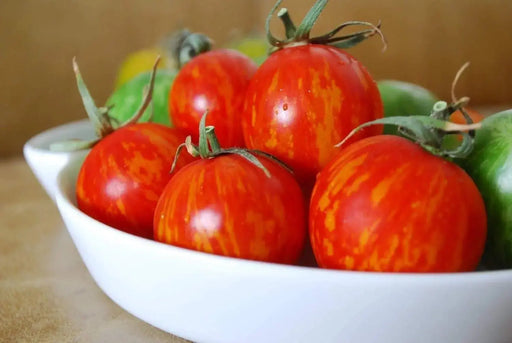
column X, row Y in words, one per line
column 124, row 174
column 454, row 140
column 215, row 81
column 126, row 100
column 142, row 61
column 490, row 166
column 458, row 117
column 386, row 204
column 228, row 206
column 401, row 98
column 305, row 99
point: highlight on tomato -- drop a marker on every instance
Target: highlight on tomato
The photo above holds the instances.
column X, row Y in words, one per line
column 209, row 80
column 309, row 94
column 232, row 202
column 125, row 171
column 387, row 203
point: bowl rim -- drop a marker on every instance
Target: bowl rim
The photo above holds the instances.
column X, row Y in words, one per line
column 39, row 142
column 66, row 203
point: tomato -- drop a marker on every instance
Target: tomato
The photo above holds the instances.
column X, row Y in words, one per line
column 125, row 100
column 452, row 141
column 386, row 204
column 141, row 61
column 124, row 174
column 458, row 117
column 125, row 171
column 490, row 166
column 227, row 206
column 215, row 81
column 305, row 99
column 402, row 98
column 255, row 46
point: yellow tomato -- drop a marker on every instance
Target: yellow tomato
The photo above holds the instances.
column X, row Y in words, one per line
column 254, row 46
column 141, row 61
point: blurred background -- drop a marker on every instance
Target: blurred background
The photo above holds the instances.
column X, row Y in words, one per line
column 428, row 41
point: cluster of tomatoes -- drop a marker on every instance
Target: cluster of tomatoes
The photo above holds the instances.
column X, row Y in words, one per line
column 269, row 181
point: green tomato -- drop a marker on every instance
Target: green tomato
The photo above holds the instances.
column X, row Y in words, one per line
column 490, row 166
column 127, row 99
column 402, row 98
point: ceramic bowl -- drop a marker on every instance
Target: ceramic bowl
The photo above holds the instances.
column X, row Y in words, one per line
column 46, row 164
column 208, row 298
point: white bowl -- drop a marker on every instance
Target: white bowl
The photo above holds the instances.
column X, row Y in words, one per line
column 210, row 298
column 46, row 164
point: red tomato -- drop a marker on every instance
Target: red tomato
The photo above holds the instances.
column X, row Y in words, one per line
column 305, row 99
column 452, row 141
column 215, row 81
column 386, row 204
column 228, row 206
column 124, row 174
column 458, row 117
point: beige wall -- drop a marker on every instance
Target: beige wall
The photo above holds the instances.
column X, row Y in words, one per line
column 428, row 41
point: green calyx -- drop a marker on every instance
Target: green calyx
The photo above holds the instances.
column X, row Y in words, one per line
column 300, row 35
column 102, row 122
column 209, row 147
column 430, row 131
column 185, row 45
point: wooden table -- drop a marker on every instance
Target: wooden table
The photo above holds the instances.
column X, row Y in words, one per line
column 46, row 293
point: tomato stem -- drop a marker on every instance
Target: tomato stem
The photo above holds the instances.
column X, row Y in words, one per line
column 430, row 131
column 212, row 139
column 456, row 79
column 290, row 29
column 350, row 40
column 100, row 119
column 310, row 19
column 191, row 149
column 466, row 116
column 187, row 45
column 209, row 147
column 301, row 34
column 204, row 149
column 98, row 116
column 148, row 96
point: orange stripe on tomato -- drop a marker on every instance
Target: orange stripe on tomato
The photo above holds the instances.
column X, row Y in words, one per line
column 381, row 189
column 274, row 83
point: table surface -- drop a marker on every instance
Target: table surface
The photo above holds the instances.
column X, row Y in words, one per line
column 46, row 293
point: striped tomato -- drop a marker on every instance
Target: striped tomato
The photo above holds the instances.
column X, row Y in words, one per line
column 386, row 204
column 309, row 94
column 129, row 164
column 124, row 174
column 215, row 81
column 228, row 206
column 305, row 99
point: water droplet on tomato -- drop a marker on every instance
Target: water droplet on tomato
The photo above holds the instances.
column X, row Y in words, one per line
column 285, row 107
